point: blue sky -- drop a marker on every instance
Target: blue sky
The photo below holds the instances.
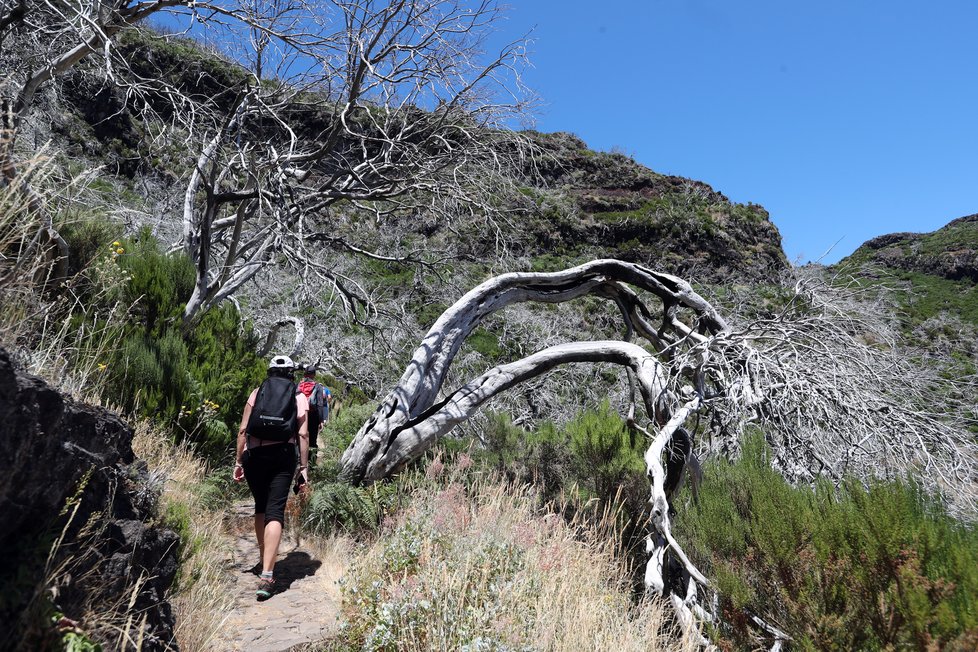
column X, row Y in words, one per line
column 846, row 120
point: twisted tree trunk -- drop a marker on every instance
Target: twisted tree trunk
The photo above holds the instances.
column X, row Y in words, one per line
column 825, row 396
column 413, row 417
column 410, row 403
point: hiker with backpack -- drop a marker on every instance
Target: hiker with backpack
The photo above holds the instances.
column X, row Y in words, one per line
column 273, row 426
column 319, row 397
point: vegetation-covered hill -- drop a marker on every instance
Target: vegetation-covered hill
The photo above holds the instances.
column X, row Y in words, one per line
column 574, row 203
column 621, row 209
column 562, row 204
column 940, row 268
column 951, row 252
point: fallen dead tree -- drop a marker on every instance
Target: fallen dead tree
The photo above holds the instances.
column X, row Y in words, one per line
column 829, row 402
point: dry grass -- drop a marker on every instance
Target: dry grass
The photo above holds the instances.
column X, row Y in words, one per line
column 36, row 324
column 75, row 561
column 334, row 553
column 478, row 567
column 202, row 598
column 21, row 303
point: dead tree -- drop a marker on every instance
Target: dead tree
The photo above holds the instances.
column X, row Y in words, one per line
column 823, row 399
column 271, row 339
column 391, row 107
column 47, row 39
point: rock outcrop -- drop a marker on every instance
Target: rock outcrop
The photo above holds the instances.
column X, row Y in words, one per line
column 950, row 252
column 622, row 209
column 76, row 539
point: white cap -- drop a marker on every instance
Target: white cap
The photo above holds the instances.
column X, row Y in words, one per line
column 281, row 362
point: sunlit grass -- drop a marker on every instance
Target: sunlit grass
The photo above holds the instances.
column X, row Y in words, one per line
column 475, row 565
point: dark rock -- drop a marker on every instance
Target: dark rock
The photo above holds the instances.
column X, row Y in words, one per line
column 889, row 239
column 68, row 468
column 950, row 252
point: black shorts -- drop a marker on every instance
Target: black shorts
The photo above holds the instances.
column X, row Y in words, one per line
column 269, row 471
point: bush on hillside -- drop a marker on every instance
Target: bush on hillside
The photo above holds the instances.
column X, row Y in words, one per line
column 607, row 455
column 195, row 381
column 593, row 457
column 198, row 380
column 857, row 568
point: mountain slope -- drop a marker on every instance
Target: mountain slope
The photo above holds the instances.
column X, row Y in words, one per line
column 940, row 268
column 950, row 252
column 573, row 203
column 625, row 210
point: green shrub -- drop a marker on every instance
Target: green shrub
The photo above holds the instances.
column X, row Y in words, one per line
column 871, row 567
column 502, row 441
column 342, row 427
column 485, row 342
column 606, row 453
column 428, row 313
column 389, row 274
column 548, row 461
column 196, row 381
column 89, row 237
column 337, row 505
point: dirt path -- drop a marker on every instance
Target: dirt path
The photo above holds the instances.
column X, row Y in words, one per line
column 305, row 606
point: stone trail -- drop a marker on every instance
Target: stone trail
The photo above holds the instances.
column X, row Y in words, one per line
column 304, row 608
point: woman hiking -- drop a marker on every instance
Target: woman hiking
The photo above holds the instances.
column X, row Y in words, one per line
column 273, row 427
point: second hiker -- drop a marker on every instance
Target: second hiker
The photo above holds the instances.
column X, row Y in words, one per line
column 319, row 397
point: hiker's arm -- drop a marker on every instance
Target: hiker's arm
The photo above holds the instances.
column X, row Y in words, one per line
column 304, row 443
column 242, row 429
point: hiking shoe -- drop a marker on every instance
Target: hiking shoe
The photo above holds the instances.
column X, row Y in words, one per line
column 266, row 588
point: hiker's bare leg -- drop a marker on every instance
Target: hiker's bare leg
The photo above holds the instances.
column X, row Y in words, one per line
column 273, row 536
column 260, row 535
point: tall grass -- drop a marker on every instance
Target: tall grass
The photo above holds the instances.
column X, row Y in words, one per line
column 55, row 331
column 73, row 579
column 202, row 598
column 478, row 566
column 21, row 304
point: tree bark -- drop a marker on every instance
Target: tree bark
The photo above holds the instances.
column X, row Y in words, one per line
column 418, row 388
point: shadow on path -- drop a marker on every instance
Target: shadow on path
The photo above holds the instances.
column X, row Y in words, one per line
column 295, row 566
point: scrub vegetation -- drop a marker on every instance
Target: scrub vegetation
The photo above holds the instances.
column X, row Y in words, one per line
column 526, row 527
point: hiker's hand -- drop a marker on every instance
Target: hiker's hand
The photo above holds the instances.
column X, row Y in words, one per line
column 238, row 473
column 304, row 474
